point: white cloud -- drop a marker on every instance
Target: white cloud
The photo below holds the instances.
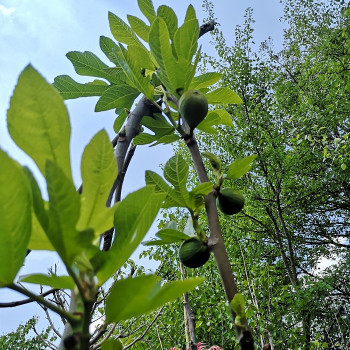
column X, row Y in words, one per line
column 6, row 11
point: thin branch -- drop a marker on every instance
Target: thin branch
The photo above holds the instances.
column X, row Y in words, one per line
column 26, row 301
column 146, row 330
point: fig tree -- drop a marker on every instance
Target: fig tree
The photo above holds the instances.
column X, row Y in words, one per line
column 194, row 253
column 193, row 106
column 230, row 201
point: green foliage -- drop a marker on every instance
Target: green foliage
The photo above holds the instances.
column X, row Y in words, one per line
column 20, row 339
column 143, row 294
column 16, row 218
column 28, row 119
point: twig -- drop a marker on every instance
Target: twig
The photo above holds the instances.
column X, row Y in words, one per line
column 146, row 330
column 26, row 301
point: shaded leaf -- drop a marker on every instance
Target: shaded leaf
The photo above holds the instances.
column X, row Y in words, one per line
column 133, row 217
column 15, row 214
column 142, row 295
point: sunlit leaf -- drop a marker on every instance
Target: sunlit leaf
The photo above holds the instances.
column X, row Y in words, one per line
column 98, row 171
column 223, row 95
column 38, row 121
column 54, row 281
column 239, row 167
column 69, row 88
column 117, row 96
column 146, row 7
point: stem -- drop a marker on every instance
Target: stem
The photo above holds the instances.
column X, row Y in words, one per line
column 216, row 242
column 73, row 320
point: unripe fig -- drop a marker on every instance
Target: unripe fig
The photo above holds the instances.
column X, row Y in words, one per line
column 194, row 253
column 230, row 201
column 193, row 107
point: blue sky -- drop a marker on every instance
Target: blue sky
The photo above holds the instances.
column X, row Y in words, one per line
column 41, row 33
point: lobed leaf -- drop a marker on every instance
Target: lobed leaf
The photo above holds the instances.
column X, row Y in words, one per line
column 169, row 17
column 70, row 89
column 139, row 27
column 88, row 64
column 121, row 31
column 117, row 96
column 146, row 7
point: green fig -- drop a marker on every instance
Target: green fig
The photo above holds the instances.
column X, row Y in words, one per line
column 230, row 201
column 194, row 253
column 193, row 107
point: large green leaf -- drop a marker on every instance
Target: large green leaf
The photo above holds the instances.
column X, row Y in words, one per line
column 173, row 198
column 176, row 171
column 111, row 50
column 132, row 297
column 239, row 167
column 38, row 121
column 87, row 63
column 185, row 40
column 69, row 88
column 117, row 96
column 170, row 18
column 54, row 281
column 15, row 218
column 133, row 217
column 205, row 80
column 146, row 7
column 38, row 238
column 223, row 95
column 159, row 126
column 40, row 218
column 214, row 118
column 98, row 171
column 133, row 73
column 64, row 208
column 171, row 73
column 121, row 31
column 139, row 27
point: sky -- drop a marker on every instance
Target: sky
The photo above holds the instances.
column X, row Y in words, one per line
column 41, row 33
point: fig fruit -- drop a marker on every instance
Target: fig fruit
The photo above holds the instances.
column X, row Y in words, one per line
column 194, row 253
column 193, row 106
column 230, row 201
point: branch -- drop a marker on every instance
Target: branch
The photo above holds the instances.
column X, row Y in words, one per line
column 26, row 301
column 146, row 330
column 39, row 299
column 216, row 243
